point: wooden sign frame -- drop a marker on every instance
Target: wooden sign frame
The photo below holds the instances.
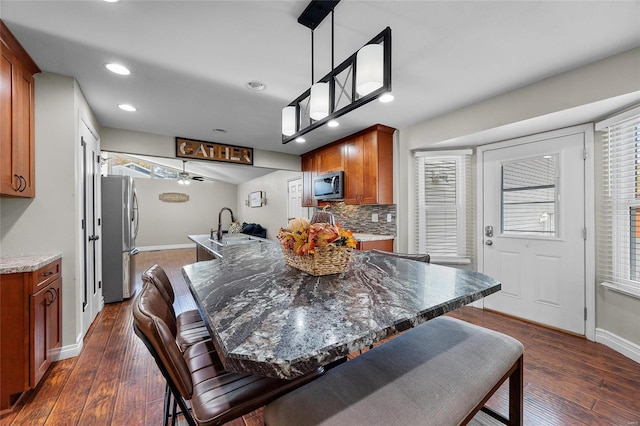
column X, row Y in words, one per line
column 212, row 151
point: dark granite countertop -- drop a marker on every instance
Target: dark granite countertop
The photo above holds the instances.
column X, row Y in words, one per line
column 271, row 319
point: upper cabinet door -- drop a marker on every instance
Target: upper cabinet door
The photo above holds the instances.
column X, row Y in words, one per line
column 308, row 174
column 330, row 159
column 17, row 134
column 353, row 170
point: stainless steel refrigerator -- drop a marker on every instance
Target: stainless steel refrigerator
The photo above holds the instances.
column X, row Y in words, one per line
column 119, row 231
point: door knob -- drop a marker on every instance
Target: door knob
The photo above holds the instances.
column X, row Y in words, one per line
column 489, row 242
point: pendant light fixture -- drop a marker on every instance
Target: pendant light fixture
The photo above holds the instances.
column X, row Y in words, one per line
column 319, row 101
column 288, row 120
column 369, row 69
column 361, row 78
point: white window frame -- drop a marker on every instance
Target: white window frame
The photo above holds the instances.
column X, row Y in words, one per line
column 461, row 157
column 615, row 272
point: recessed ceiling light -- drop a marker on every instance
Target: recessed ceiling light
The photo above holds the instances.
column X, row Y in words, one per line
column 118, row 69
column 219, row 131
column 112, row 1
column 333, row 123
column 127, row 107
column 300, row 139
column 386, row 97
column 256, row 85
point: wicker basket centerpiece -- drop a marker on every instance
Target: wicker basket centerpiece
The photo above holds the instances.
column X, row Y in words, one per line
column 318, row 249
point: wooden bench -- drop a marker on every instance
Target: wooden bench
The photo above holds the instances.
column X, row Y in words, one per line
column 439, row 373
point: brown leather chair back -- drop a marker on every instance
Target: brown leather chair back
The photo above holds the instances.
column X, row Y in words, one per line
column 417, row 257
column 153, row 319
column 158, row 277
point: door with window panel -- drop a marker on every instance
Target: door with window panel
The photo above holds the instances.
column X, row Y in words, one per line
column 533, row 227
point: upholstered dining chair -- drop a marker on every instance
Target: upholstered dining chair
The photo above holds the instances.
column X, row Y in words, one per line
column 216, row 396
column 189, row 324
column 417, row 257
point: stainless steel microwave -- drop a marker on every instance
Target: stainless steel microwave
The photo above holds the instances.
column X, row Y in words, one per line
column 329, row 186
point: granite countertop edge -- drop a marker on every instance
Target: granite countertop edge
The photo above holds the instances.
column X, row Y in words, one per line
column 26, row 262
column 371, row 237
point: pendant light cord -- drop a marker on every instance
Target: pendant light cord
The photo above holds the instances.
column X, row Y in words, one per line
column 332, row 67
column 312, row 79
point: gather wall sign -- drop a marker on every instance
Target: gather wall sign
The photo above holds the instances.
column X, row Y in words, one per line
column 201, row 150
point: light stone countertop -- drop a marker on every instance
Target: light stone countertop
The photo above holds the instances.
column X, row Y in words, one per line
column 26, row 262
column 371, row 237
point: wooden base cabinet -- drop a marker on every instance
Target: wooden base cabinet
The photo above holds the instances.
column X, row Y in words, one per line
column 30, row 329
column 45, row 332
column 17, row 130
column 386, row 245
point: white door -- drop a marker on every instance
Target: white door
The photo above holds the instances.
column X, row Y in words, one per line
column 294, row 202
column 92, row 273
column 533, row 225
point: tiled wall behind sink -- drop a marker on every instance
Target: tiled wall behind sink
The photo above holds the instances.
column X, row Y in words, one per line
column 358, row 218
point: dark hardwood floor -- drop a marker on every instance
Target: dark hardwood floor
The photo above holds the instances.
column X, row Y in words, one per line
column 568, row 380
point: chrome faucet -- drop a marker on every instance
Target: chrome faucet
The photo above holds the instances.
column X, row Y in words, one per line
column 233, row 219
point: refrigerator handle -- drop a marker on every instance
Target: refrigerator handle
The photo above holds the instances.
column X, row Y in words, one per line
column 135, row 215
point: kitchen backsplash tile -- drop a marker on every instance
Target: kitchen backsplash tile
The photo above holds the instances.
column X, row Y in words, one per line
column 357, row 218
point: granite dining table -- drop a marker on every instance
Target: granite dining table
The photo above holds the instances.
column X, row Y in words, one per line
column 268, row 318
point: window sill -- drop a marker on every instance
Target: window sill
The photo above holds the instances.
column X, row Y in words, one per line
column 450, row 260
column 624, row 289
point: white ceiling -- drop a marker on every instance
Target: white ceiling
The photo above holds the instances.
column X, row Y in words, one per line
column 190, row 60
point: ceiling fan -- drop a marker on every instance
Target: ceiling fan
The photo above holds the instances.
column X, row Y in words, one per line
column 185, row 178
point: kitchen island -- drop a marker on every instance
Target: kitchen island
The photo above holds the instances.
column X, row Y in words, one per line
column 271, row 319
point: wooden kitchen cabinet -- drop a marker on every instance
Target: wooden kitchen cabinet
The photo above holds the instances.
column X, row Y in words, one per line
column 308, row 174
column 45, row 330
column 369, row 167
column 386, row 245
column 17, row 131
column 330, row 159
column 367, row 161
column 30, row 329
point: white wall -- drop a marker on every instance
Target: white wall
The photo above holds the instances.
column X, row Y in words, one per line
column 273, row 215
column 50, row 222
column 131, row 142
column 168, row 224
column 528, row 110
column 543, row 106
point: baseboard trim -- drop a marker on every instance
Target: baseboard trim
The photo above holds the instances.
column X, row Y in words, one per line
column 70, row 351
column 167, row 247
column 618, row 344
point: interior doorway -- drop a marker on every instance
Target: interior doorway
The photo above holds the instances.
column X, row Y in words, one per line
column 533, row 222
column 294, row 200
column 92, row 300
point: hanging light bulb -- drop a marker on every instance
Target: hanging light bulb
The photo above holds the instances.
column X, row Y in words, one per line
column 288, row 120
column 369, row 68
column 319, row 101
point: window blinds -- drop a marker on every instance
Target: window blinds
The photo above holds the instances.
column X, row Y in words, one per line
column 444, row 204
column 618, row 249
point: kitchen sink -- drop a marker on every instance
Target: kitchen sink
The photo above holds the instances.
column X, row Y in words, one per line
column 232, row 240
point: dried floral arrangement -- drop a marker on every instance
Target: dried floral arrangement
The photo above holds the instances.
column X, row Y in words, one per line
column 303, row 238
